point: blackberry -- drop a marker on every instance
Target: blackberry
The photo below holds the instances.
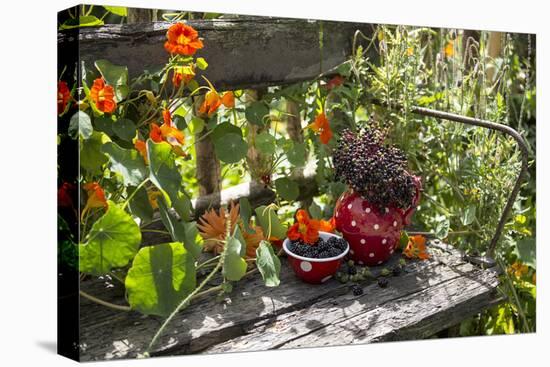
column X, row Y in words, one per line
column 378, row 172
column 357, row 290
column 383, row 282
column 352, row 270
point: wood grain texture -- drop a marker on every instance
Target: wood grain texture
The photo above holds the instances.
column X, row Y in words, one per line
column 426, row 298
column 242, row 52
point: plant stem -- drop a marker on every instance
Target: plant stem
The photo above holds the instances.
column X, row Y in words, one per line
column 134, row 192
column 182, row 305
column 105, row 303
column 207, row 262
column 155, row 231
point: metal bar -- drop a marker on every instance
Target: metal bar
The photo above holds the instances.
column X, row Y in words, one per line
column 486, row 260
column 493, row 126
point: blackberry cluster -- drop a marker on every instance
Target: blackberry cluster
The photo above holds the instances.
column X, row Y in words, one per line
column 321, row 249
column 357, row 290
column 378, row 172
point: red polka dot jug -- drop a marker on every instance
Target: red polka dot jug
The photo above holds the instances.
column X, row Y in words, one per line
column 373, row 233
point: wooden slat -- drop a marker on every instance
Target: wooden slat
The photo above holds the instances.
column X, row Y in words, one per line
column 428, row 297
column 242, row 52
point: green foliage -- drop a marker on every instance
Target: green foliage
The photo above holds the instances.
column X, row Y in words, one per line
column 268, row 263
column 80, row 125
column 126, row 162
column 161, row 276
column 270, row 222
column 231, row 148
column 256, row 112
column 287, row 188
column 234, row 266
column 112, row 242
column 114, row 75
column 183, row 232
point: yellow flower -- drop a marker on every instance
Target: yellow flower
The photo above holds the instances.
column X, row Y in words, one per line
column 518, row 269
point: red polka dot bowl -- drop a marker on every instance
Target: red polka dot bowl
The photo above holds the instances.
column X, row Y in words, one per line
column 311, row 270
column 372, row 233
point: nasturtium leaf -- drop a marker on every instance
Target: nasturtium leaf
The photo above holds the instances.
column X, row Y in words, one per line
column 201, row 63
column 287, row 188
column 469, row 215
column 222, row 130
column 527, row 251
column 268, row 263
column 245, row 210
column 91, row 157
column 256, row 112
column 140, row 206
column 265, row 143
column 125, row 129
column 162, row 168
column 234, row 266
column 118, row 10
column 183, row 206
column 104, row 124
column 113, row 74
column 296, row 154
column 270, row 222
column 315, row 210
column 82, row 21
column 112, row 242
column 442, row 229
column 160, row 278
column 196, row 125
column 80, row 124
column 180, row 231
column 126, row 162
column 231, row 149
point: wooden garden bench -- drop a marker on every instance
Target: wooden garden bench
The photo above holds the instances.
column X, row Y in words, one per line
column 427, row 297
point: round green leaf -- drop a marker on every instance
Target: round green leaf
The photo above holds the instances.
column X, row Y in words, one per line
column 180, row 231
column 265, row 143
column 161, row 276
column 125, row 129
column 196, row 125
column 256, row 112
column 112, row 242
column 140, row 206
column 287, row 188
column 113, row 74
column 126, row 162
column 231, row 149
column 91, row 157
column 268, row 263
column 296, row 154
column 221, row 130
column 80, row 124
column 104, row 124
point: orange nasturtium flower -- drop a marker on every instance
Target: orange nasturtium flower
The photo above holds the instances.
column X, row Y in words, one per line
column 167, row 117
column 183, row 74
column 449, row 49
column 141, row 147
column 182, row 40
column 416, row 248
column 212, row 101
column 96, row 197
column 336, row 81
column 305, row 228
column 103, row 96
column 321, row 126
column 327, row 225
column 63, row 96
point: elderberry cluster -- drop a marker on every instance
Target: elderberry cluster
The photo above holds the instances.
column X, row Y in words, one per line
column 378, row 172
column 321, row 249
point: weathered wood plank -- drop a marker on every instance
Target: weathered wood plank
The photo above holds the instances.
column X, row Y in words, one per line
column 259, row 318
column 242, row 53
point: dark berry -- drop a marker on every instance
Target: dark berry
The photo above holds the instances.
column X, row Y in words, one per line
column 383, row 282
column 352, row 270
column 357, row 290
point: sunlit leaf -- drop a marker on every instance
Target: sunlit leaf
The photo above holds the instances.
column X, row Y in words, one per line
column 112, row 242
column 126, row 162
column 160, row 278
column 270, row 222
column 80, row 124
